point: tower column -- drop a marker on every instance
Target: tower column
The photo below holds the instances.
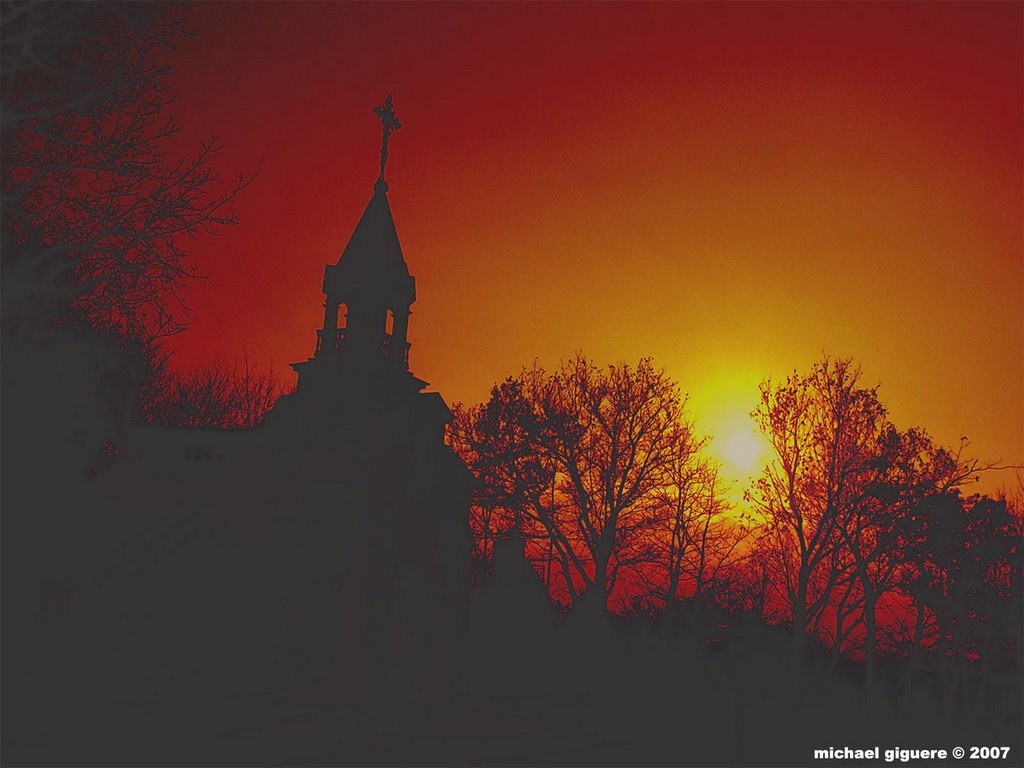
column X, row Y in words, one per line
column 329, row 335
column 399, row 335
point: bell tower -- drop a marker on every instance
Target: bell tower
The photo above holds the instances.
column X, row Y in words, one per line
column 368, row 295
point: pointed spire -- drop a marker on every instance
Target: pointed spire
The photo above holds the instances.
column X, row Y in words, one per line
column 373, row 254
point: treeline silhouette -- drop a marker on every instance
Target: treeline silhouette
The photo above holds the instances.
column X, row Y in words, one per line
column 215, row 396
column 97, row 214
column 602, row 474
column 859, row 537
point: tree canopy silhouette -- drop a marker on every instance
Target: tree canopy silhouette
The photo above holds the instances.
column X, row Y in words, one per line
column 581, row 460
column 215, row 396
column 96, row 212
column 851, row 504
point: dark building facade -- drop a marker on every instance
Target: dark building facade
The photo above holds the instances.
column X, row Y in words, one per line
column 321, row 558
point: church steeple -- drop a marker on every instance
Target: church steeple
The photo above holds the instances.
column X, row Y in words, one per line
column 369, row 291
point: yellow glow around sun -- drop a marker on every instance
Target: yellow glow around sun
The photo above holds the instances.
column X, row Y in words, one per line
column 740, row 448
column 721, row 409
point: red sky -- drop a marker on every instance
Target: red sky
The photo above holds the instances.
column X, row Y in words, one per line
column 730, row 188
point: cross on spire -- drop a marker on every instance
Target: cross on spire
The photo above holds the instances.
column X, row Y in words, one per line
column 389, row 123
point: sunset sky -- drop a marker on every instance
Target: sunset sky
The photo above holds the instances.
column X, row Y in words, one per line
column 732, row 189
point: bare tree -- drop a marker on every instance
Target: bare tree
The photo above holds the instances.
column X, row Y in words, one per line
column 508, row 443
column 676, row 503
column 690, row 539
column 717, row 541
column 494, row 496
column 906, row 469
column 964, row 572
column 96, row 214
column 213, row 396
column 576, row 456
column 822, row 427
column 627, row 419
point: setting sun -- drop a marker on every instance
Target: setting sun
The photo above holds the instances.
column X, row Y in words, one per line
column 721, row 405
column 739, row 447
column 743, row 448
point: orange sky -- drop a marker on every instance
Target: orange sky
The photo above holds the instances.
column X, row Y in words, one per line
column 732, row 189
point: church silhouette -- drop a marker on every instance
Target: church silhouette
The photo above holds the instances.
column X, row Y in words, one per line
column 318, row 561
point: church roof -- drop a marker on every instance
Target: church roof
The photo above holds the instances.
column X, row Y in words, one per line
column 372, row 264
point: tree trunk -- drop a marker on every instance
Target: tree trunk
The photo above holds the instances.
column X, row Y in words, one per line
column 601, row 579
column 915, row 653
column 800, row 616
column 870, row 635
column 670, row 595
